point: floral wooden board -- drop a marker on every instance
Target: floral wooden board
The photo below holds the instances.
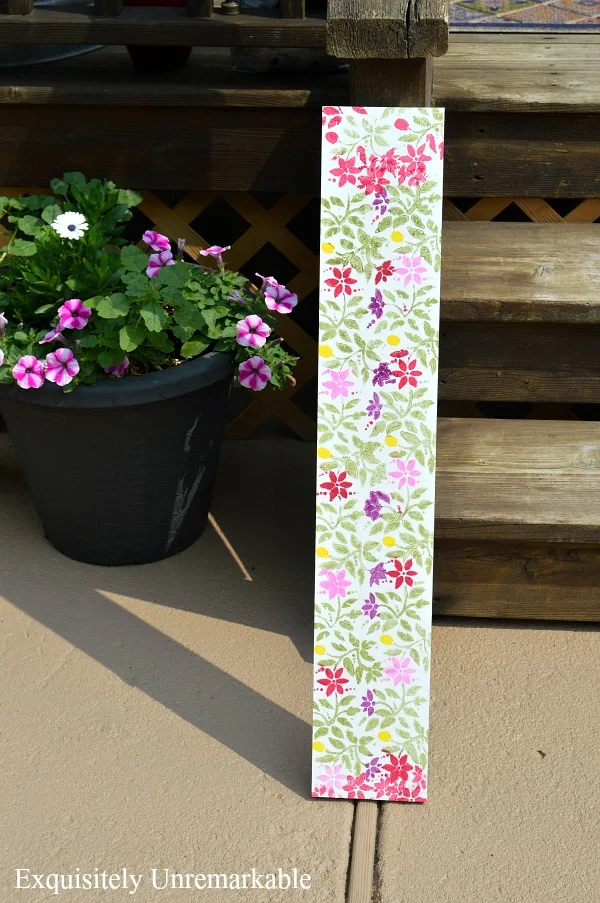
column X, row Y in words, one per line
column 379, row 313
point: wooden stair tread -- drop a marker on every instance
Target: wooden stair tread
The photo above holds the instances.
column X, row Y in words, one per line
column 542, row 272
column 515, row 479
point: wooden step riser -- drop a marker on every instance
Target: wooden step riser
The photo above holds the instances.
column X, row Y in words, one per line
column 488, row 154
column 517, row 580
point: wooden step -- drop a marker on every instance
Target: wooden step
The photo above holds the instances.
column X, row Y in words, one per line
column 518, row 519
column 520, row 311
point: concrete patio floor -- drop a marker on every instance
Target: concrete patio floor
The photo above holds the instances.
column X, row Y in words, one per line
column 159, row 717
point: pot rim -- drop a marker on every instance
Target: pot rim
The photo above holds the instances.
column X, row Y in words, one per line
column 127, row 391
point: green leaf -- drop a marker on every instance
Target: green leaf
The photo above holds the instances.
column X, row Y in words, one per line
column 44, row 308
column 133, row 259
column 114, row 306
column 110, row 357
column 174, row 276
column 75, row 178
column 130, row 337
column 128, row 197
column 50, row 213
column 21, row 248
column 155, row 317
column 59, row 186
column 30, row 225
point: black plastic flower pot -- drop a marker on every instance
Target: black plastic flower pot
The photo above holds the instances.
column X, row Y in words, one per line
column 122, row 472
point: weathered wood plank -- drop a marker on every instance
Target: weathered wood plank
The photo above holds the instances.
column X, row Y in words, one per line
column 517, row 580
column 521, row 272
column 162, row 25
column 387, row 83
column 362, row 864
column 552, row 496
column 292, row 9
column 18, row 8
column 519, row 362
column 387, row 29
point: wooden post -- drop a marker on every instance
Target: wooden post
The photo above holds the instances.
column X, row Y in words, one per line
column 201, row 8
column 292, row 9
column 19, row 7
column 389, row 44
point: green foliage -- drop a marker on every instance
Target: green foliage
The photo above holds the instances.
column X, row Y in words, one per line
column 157, row 322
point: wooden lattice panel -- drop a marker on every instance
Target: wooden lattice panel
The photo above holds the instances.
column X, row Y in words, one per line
column 267, row 225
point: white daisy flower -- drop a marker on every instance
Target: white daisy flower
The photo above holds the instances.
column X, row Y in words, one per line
column 70, row 225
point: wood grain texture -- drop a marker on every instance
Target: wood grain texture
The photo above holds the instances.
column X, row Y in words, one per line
column 519, row 362
column 387, row 29
column 391, row 83
column 521, row 272
column 18, row 8
column 203, row 8
column 292, row 9
column 162, row 25
column 362, row 863
column 518, row 480
column 517, row 580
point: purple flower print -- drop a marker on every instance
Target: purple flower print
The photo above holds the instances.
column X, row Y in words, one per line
column 368, row 703
column 374, row 407
column 400, row 670
column 333, row 779
column 61, row 366
column 73, row 314
column 156, row 241
column 28, row 372
column 411, row 269
column 370, row 608
column 406, row 472
column 382, row 375
column 376, row 305
column 373, row 504
column 338, row 383
column 372, row 768
column 380, row 201
column 335, row 583
column 378, row 574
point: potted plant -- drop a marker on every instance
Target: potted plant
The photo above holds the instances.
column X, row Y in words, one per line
column 116, row 367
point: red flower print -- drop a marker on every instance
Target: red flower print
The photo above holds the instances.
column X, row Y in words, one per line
column 414, row 170
column 334, row 115
column 356, row 787
column 374, row 179
column 402, row 125
column 337, row 485
column 419, row 782
column 334, row 681
column 390, row 161
column 398, row 770
column 346, row 171
column 341, row 281
column 384, row 271
column 403, row 573
column 360, row 110
column 407, row 372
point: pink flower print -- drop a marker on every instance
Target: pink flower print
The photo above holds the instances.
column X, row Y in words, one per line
column 414, row 170
column 402, row 125
column 338, row 383
column 73, row 314
column 398, row 769
column 331, row 118
column 252, row 332
column 407, row 372
column 54, row 334
column 216, row 251
column 411, row 269
column 406, row 472
column 346, row 171
column 356, row 787
column 333, row 779
column 403, row 573
column 28, row 372
column 377, row 574
column 279, row 298
column 254, row 374
column 156, row 241
column 61, row 366
column 400, row 671
column 335, row 583
column 118, row 369
column 374, row 179
column 337, row 485
column 341, row 281
column 157, row 261
column 333, row 681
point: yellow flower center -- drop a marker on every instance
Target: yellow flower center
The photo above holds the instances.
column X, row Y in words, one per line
column 323, row 453
column 389, row 541
column 393, row 340
column 322, row 552
column 318, row 746
column 326, row 351
column 397, row 236
column 385, row 736
column 327, row 247
column 320, row 650
column 391, row 441
column 386, row 639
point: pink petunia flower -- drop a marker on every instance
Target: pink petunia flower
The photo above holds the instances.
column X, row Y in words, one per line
column 252, row 332
column 333, row 779
column 28, row 372
column 279, row 298
column 406, row 472
column 400, row 671
column 3, row 323
column 156, row 241
column 412, row 269
column 338, row 383
column 54, row 334
column 118, row 369
column 335, row 583
column 73, row 314
column 254, row 374
column 216, row 251
column 61, row 366
column 157, row 261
